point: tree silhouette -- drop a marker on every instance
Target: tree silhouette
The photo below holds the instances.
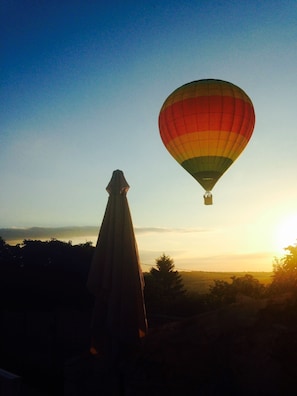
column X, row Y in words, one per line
column 164, row 286
column 285, row 271
column 6, row 251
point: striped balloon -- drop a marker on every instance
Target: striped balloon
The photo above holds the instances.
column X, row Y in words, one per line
column 205, row 125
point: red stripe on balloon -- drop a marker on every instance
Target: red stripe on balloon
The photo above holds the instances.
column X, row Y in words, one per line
column 204, row 113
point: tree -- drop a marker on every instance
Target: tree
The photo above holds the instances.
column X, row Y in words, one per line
column 6, row 251
column 285, row 271
column 164, row 286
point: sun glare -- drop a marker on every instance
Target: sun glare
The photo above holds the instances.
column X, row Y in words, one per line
column 287, row 232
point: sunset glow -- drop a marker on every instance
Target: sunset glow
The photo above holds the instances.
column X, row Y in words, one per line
column 287, row 232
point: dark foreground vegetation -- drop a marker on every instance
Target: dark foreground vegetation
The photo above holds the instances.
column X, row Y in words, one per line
column 234, row 335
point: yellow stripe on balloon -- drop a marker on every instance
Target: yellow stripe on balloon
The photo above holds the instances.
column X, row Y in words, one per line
column 207, row 143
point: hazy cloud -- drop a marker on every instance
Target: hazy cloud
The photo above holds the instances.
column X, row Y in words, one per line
column 256, row 261
column 17, row 235
column 162, row 230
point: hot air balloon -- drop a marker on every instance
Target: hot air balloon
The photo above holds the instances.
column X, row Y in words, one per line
column 205, row 125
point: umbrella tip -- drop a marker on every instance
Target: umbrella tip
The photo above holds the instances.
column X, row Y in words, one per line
column 118, row 184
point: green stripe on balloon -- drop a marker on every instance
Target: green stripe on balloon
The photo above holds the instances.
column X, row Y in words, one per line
column 207, row 170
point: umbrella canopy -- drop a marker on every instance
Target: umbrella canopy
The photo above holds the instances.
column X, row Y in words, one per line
column 115, row 276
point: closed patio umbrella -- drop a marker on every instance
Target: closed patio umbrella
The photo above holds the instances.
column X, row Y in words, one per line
column 115, row 278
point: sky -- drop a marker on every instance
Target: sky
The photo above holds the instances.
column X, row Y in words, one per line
column 82, row 84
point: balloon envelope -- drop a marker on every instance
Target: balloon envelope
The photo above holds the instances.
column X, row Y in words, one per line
column 205, row 125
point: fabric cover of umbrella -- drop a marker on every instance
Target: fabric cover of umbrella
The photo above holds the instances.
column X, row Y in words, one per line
column 115, row 276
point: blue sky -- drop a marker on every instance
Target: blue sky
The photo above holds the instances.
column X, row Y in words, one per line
column 82, row 84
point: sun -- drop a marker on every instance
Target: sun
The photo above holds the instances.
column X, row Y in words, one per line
column 287, row 232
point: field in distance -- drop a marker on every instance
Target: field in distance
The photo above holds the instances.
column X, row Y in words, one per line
column 199, row 281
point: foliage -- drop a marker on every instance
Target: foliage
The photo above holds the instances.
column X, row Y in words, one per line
column 247, row 285
column 285, row 272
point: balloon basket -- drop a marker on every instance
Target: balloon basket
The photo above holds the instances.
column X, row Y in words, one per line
column 207, row 198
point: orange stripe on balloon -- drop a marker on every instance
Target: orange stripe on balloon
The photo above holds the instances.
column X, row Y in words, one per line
column 211, row 143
